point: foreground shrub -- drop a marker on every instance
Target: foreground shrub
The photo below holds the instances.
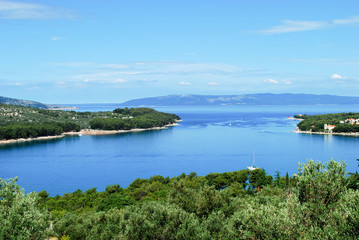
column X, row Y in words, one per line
column 20, row 216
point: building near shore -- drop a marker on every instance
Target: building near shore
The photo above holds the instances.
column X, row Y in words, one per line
column 329, row 127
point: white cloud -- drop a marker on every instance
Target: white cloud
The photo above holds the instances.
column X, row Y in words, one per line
column 213, row 84
column 18, row 84
column 351, row 20
column 154, row 68
column 21, row 10
column 336, row 76
column 294, row 26
column 119, row 80
column 184, row 83
column 71, row 64
column 300, row 26
column 60, row 83
column 57, row 38
column 271, row 81
column 35, row 88
column 182, row 73
column 114, row 66
column 168, row 73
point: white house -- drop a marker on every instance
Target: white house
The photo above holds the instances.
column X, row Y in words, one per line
column 329, row 127
column 352, row 121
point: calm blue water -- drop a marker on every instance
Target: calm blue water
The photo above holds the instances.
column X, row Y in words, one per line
column 204, row 142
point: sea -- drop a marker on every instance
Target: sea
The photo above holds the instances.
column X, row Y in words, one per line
column 207, row 140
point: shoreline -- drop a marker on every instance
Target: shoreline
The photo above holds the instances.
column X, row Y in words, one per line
column 92, row 132
column 96, row 132
column 353, row 134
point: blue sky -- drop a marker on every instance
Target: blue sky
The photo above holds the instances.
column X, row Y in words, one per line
column 86, row 51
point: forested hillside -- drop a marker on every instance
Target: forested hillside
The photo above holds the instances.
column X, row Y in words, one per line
column 320, row 202
column 24, row 122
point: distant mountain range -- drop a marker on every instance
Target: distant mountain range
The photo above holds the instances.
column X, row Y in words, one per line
column 29, row 103
column 244, row 99
column 209, row 100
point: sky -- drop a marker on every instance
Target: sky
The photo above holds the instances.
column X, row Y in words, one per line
column 111, row 51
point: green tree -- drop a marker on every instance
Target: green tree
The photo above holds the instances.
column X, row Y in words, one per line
column 287, row 182
column 321, row 183
column 116, row 200
column 319, row 189
column 20, row 215
column 258, row 179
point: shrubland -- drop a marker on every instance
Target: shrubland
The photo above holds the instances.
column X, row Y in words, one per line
column 321, row 201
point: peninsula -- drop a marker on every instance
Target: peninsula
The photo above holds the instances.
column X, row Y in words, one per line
column 19, row 123
column 346, row 124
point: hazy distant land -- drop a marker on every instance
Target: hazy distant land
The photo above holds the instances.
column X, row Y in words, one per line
column 34, row 104
column 209, row 100
column 244, row 99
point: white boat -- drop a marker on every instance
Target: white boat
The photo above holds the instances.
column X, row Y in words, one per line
column 253, row 167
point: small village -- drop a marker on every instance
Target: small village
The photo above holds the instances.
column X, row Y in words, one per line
column 337, row 123
column 329, row 128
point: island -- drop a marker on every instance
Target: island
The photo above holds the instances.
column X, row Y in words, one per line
column 242, row 99
column 334, row 123
column 20, row 123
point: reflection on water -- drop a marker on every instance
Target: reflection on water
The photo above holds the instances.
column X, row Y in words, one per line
column 29, row 143
column 328, row 140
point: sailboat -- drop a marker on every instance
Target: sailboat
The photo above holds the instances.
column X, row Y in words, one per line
column 253, row 167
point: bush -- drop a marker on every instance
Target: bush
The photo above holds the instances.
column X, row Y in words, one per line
column 20, row 215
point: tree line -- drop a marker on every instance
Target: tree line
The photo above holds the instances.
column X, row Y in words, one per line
column 33, row 130
column 134, row 118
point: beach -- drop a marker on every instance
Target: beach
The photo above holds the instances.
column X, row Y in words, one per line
column 82, row 132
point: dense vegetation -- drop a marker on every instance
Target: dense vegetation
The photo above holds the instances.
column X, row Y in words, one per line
column 140, row 118
column 316, row 122
column 24, row 122
column 33, row 130
column 320, row 202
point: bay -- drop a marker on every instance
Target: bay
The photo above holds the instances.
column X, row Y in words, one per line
column 209, row 139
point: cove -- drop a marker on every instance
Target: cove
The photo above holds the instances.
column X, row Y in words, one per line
column 209, row 139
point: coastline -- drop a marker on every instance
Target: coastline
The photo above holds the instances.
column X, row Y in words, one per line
column 353, row 134
column 95, row 132
column 92, row 132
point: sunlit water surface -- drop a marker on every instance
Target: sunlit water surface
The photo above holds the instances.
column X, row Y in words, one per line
column 209, row 139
